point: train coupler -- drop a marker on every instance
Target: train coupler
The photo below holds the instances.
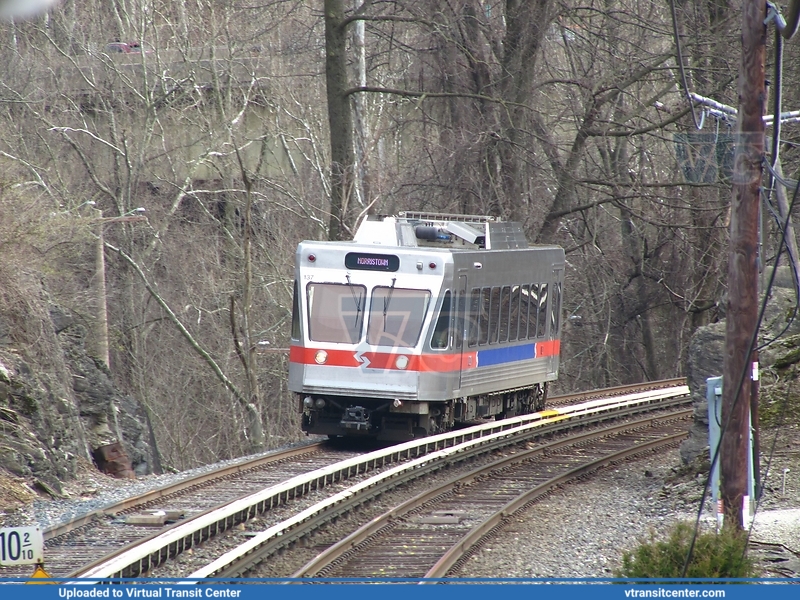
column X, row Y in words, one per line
column 355, row 417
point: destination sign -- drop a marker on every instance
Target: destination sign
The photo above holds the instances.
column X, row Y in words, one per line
column 371, row 262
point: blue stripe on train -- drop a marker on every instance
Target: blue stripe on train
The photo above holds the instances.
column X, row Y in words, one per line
column 499, row 356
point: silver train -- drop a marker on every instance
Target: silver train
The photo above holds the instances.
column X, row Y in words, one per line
column 422, row 322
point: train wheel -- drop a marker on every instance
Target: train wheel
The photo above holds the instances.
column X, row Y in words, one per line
column 539, row 397
column 525, row 400
column 511, row 403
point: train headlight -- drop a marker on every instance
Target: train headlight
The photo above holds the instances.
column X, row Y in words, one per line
column 321, row 357
column 401, row 362
column 320, row 403
column 308, row 402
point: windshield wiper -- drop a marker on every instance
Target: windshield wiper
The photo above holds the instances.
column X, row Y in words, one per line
column 386, row 303
column 356, row 299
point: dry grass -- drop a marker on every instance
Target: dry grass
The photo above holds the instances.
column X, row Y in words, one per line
column 14, row 494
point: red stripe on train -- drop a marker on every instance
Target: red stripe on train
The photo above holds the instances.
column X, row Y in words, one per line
column 382, row 360
column 440, row 363
column 548, row 348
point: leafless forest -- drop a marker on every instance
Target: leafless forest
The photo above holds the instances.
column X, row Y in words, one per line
column 244, row 127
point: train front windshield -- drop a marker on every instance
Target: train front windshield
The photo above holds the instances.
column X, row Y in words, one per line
column 396, row 316
column 336, row 314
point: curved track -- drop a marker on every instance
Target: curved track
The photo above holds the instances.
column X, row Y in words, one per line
column 109, row 543
column 618, row 390
column 429, row 535
column 244, row 559
column 73, row 545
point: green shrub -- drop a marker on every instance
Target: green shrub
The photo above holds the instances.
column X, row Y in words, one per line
column 714, row 556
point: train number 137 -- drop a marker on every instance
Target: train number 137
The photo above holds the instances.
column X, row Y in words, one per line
column 21, row 546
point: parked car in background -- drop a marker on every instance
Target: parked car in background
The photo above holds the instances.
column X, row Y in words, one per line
column 126, row 48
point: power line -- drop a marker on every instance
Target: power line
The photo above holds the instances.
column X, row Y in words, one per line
column 753, row 83
column 679, row 56
column 726, row 422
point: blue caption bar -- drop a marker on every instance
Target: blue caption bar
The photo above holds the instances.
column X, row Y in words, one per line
column 454, row 589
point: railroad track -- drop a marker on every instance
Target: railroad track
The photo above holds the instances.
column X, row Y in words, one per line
column 261, row 545
column 73, row 545
column 107, row 543
column 619, row 390
column 430, row 535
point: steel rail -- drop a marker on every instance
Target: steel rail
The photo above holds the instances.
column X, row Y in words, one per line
column 139, row 500
column 459, row 551
column 238, row 561
column 374, row 527
column 149, row 497
column 139, row 558
column 616, row 390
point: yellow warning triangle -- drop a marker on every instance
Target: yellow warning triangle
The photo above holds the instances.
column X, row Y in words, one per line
column 40, row 573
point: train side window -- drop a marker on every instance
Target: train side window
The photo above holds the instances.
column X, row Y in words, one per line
column 459, row 307
column 484, row 320
column 555, row 310
column 296, row 312
column 513, row 323
column 541, row 326
column 441, row 333
column 494, row 315
column 533, row 310
column 505, row 313
column 474, row 317
column 524, row 303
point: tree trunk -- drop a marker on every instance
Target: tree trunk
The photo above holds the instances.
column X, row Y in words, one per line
column 340, row 119
column 256, row 427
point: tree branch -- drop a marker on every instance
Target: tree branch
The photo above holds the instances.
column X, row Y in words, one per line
column 185, row 332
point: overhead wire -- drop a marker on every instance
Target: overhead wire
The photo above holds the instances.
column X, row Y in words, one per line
column 784, row 31
column 750, row 348
column 773, row 164
column 788, row 27
column 796, row 285
column 781, row 246
column 679, row 56
column 784, row 181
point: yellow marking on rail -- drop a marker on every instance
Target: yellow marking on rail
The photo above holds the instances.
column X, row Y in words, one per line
column 549, row 413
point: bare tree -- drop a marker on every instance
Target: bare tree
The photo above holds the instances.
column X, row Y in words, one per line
column 235, row 129
column 186, row 125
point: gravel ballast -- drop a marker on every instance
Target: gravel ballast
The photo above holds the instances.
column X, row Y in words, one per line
column 581, row 530
column 584, row 529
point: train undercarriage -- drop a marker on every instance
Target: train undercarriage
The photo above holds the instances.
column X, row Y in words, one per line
column 396, row 421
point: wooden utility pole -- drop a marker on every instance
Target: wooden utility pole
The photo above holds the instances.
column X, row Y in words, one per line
column 742, row 316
